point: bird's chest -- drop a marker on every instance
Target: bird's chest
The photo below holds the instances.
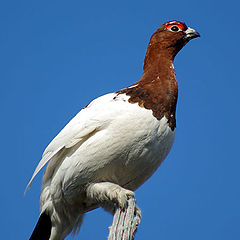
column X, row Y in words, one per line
column 145, row 144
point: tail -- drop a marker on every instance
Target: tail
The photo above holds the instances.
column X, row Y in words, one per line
column 42, row 231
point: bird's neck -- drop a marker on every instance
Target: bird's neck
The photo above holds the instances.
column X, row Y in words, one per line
column 157, row 89
column 158, row 66
column 158, row 58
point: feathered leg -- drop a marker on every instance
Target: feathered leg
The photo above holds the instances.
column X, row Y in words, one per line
column 105, row 192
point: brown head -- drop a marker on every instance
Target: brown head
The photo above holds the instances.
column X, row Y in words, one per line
column 167, row 41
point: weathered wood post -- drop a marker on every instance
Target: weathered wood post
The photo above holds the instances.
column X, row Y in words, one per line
column 125, row 222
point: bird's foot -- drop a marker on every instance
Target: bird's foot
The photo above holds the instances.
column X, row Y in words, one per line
column 105, row 192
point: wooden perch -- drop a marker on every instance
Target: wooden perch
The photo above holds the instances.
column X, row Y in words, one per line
column 125, row 222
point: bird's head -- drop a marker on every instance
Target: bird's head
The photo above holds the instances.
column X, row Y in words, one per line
column 168, row 40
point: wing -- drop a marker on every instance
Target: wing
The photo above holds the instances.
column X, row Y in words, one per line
column 84, row 124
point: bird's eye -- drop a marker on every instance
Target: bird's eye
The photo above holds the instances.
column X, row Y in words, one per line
column 175, row 29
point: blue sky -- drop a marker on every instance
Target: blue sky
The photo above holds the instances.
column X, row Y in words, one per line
column 56, row 56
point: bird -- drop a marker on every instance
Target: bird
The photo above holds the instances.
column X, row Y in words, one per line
column 114, row 144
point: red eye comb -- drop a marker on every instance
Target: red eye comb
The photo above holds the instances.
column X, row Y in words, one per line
column 181, row 25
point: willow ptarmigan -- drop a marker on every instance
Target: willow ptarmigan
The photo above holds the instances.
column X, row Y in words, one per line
column 113, row 145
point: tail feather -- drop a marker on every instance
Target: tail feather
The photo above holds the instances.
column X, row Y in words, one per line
column 42, row 231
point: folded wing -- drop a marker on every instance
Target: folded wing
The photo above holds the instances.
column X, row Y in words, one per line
column 83, row 125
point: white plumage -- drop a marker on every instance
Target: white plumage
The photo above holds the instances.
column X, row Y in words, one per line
column 111, row 140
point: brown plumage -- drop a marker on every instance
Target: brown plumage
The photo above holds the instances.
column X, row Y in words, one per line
column 157, row 89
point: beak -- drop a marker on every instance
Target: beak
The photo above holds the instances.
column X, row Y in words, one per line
column 190, row 34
